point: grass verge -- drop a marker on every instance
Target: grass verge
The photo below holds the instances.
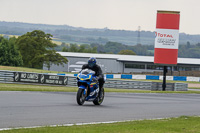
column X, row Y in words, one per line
column 27, row 87
column 24, row 69
column 194, row 88
column 183, row 124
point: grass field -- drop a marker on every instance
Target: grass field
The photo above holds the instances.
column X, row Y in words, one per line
column 23, row 69
column 10, row 35
column 194, row 88
column 57, row 42
column 27, row 87
column 183, row 124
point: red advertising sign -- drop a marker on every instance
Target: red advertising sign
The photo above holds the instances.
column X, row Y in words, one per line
column 167, row 37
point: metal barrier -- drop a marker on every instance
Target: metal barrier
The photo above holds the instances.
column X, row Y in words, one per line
column 128, row 84
column 6, row 76
column 72, row 81
column 180, row 87
column 36, row 78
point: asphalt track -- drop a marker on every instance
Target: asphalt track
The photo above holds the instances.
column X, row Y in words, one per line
column 25, row 109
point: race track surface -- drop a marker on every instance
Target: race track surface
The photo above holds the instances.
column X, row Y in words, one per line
column 25, row 109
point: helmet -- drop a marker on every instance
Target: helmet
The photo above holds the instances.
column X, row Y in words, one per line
column 92, row 62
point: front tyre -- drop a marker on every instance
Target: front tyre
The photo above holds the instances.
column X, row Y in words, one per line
column 100, row 98
column 80, row 98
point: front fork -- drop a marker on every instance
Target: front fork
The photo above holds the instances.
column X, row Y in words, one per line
column 85, row 88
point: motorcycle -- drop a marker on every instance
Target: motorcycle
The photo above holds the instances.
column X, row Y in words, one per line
column 88, row 88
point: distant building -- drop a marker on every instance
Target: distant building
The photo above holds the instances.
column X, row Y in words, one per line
column 113, row 63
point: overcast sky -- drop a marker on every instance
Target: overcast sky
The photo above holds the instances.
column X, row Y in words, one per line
column 113, row 14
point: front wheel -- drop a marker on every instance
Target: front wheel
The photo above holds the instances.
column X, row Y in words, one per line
column 100, row 98
column 80, row 98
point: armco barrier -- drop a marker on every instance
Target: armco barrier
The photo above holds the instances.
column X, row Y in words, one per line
column 123, row 76
column 139, row 77
column 70, row 79
column 167, row 77
column 126, row 84
column 32, row 78
column 179, row 78
column 6, row 76
column 180, row 86
column 152, row 77
column 109, row 76
column 157, row 86
column 144, row 77
column 195, row 79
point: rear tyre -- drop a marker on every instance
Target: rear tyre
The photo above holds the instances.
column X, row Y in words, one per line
column 100, row 98
column 80, row 98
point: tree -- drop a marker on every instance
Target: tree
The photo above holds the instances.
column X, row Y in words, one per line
column 114, row 47
column 9, row 55
column 54, row 58
column 188, row 44
column 127, row 52
column 73, row 48
column 82, row 48
column 198, row 44
column 35, row 47
column 139, row 49
column 65, row 49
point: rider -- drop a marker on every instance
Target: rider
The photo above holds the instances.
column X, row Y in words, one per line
column 98, row 72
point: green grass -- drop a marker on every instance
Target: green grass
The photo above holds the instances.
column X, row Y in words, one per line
column 57, row 42
column 183, row 124
column 27, row 87
column 24, row 69
column 194, row 88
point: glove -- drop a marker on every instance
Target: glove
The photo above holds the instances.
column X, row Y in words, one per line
column 97, row 78
column 94, row 79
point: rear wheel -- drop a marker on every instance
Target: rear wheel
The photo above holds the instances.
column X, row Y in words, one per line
column 80, row 98
column 100, row 98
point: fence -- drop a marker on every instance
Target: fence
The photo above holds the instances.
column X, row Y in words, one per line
column 6, row 76
column 152, row 77
column 63, row 79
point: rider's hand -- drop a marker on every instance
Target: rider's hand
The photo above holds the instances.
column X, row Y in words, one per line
column 97, row 78
column 94, row 79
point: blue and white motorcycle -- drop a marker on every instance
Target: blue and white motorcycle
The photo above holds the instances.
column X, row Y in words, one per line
column 88, row 88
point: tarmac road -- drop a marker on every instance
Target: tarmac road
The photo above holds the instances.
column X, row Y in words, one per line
column 25, row 109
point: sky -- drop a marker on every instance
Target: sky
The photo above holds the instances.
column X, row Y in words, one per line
column 113, row 14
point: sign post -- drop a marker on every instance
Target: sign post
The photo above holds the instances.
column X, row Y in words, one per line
column 166, row 40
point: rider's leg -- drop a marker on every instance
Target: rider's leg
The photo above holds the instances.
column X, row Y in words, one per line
column 101, row 82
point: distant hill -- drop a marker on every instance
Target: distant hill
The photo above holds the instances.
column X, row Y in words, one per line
column 69, row 34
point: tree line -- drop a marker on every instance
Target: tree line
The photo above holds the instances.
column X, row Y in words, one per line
column 93, row 48
column 71, row 34
column 32, row 50
column 185, row 51
column 108, row 48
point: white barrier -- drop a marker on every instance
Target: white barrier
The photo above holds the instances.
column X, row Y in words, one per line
column 71, row 75
column 195, row 79
column 138, row 76
column 167, row 78
column 117, row 76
